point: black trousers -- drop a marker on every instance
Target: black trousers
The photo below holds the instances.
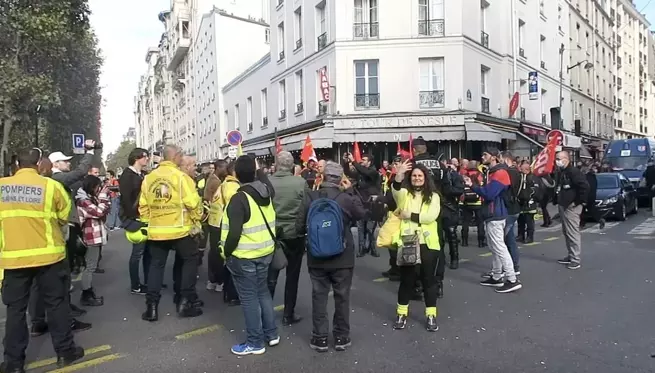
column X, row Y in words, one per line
column 468, row 214
column 441, row 264
column 340, row 280
column 184, row 273
column 427, row 274
column 295, row 252
column 53, row 281
column 544, row 210
column 216, row 264
column 526, row 224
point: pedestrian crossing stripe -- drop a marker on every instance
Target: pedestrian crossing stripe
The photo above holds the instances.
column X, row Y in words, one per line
column 645, row 228
column 596, row 228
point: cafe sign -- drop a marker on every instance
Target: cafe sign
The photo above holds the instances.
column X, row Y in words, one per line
column 400, row 122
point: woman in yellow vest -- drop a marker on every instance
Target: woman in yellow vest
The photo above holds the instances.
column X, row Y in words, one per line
column 417, row 240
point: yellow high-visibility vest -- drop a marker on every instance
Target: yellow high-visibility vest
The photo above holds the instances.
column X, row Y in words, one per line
column 255, row 241
column 32, row 211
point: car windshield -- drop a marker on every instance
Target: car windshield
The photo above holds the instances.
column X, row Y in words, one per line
column 607, row 181
column 627, row 163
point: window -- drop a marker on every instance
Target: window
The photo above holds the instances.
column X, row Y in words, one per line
column 521, row 37
column 267, row 35
column 299, row 92
column 298, row 27
column 577, row 33
column 365, row 23
column 431, row 83
column 226, row 118
column 590, row 118
column 586, row 42
column 484, row 75
column 236, row 117
column 321, row 26
column 249, row 113
column 541, row 7
column 280, row 41
column 367, row 94
column 542, row 51
column 264, row 108
column 282, row 100
column 575, row 110
column 431, row 17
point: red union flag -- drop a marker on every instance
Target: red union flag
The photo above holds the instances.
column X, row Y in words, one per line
column 325, row 84
column 544, row 163
column 513, row 104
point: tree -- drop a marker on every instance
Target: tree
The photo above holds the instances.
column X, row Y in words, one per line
column 119, row 157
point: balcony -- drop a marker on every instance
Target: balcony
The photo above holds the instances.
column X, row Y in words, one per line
column 431, row 99
column 299, row 108
column 365, row 30
column 485, row 105
column 280, row 56
column 431, row 27
column 298, row 44
column 543, row 119
column 543, row 65
column 367, row 101
column 181, row 43
column 522, row 52
column 484, row 39
column 322, row 108
column 321, row 41
column 283, row 114
column 250, row 127
column 264, row 122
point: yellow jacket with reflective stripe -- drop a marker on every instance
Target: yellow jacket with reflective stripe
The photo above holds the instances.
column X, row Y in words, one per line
column 32, row 211
column 169, row 203
column 427, row 226
column 255, row 241
column 228, row 188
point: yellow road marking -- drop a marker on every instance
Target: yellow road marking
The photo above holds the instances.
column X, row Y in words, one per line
column 279, row 308
column 551, row 238
column 533, row 243
column 46, row 362
column 464, row 260
column 87, row 364
column 381, row 279
column 485, row 254
column 197, row 332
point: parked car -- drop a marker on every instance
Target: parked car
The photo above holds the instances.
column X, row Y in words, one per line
column 616, row 196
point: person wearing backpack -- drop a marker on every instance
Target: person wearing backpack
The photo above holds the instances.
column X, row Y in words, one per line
column 530, row 194
column 326, row 215
column 513, row 204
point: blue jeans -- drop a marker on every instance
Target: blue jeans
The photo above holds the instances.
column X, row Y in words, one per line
column 510, row 239
column 250, row 279
column 113, row 221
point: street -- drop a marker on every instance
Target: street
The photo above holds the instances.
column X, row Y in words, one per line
column 595, row 319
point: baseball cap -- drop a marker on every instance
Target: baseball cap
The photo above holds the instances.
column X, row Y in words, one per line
column 58, row 156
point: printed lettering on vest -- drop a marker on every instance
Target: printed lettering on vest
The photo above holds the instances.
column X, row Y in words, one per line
column 32, row 194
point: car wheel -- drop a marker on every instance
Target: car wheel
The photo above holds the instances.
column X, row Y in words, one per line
column 622, row 214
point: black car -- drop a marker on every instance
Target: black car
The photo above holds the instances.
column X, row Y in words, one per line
column 616, row 196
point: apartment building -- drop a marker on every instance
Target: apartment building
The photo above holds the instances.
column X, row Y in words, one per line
column 148, row 121
column 592, row 70
column 225, row 44
column 374, row 71
column 632, row 61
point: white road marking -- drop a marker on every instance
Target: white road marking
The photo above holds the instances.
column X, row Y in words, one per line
column 647, row 227
column 596, row 230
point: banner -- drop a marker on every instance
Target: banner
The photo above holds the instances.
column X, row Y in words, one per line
column 533, row 85
column 324, row 84
column 545, row 160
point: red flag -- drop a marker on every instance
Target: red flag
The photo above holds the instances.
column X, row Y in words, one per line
column 545, row 160
column 308, row 153
column 411, row 149
column 513, row 104
column 278, row 145
column 357, row 155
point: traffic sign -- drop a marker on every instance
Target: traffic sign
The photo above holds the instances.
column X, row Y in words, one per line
column 78, row 143
column 234, row 138
column 232, row 152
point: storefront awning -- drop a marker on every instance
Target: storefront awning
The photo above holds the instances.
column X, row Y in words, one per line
column 438, row 133
column 481, row 132
column 530, row 140
column 259, row 149
column 321, row 138
column 584, row 153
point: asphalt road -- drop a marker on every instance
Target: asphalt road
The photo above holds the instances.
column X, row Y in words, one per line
column 595, row 319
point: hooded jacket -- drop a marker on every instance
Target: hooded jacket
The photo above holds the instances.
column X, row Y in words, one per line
column 498, row 183
column 238, row 209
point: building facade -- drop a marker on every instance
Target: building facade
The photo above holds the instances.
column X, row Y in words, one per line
column 373, row 72
column 632, row 60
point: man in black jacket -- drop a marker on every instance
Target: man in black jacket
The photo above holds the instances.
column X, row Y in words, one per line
column 130, row 187
column 335, row 272
column 571, row 193
column 367, row 184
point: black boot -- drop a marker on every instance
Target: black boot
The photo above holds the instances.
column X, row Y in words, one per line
column 70, row 357
column 482, row 242
column 152, row 312
column 5, row 368
column 362, row 252
column 187, row 308
column 465, row 240
column 374, row 252
column 520, row 237
column 529, row 238
column 453, row 243
column 439, row 289
column 90, row 299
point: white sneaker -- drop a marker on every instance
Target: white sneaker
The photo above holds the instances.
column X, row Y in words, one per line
column 211, row 286
column 218, row 288
column 274, row 342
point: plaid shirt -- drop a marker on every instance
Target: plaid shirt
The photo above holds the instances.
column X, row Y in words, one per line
column 92, row 213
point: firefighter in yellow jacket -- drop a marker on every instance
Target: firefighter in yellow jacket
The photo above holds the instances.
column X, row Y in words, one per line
column 33, row 210
column 171, row 206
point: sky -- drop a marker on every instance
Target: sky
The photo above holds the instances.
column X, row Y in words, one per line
column 125, row 29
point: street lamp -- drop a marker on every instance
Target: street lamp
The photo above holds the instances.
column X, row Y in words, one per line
column 587, row 66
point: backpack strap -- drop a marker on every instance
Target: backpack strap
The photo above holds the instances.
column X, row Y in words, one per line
column 270, row 231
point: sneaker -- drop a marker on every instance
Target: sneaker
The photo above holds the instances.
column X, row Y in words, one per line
column 401, row 322
column 518, row 273
column 566, row 260
column 509, row 287
column 319, row 344
column 218, row 288
column 79, row 326
column 211, row 286
column 432, row 325
column 486, row 275
column 274, row 342
column 342, row 343
column 491, row 282
column 244, row 349
column 142, row 290
column 573, row 266
column 38, row 329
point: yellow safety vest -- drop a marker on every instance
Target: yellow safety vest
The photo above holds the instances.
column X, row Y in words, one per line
column 201, row 183
column 32, row 211
column 215, row 210
column 428, row 231
column 169, row 203
column 255, row 241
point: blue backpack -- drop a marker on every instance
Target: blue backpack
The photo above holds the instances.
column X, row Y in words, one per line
column 325, row 231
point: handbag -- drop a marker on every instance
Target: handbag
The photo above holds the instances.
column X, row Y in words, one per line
column 279, row 261
column 409, row 250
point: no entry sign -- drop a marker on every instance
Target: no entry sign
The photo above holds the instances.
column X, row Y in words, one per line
column 234, row 138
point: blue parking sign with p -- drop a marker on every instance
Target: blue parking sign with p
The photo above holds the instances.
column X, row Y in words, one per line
column 78, row 141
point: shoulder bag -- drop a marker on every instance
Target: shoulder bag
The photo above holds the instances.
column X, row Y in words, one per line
column 279, row 261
